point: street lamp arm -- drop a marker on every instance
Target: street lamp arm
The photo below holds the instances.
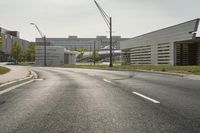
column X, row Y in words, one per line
column 41, row 34
column 101, row 9
column 103, row 13
column 106, row 20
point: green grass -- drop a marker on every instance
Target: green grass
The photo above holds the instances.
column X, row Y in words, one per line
column 4, row 70
column 161, row 68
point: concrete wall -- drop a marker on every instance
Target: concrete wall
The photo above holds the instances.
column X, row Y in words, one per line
column 158, row 47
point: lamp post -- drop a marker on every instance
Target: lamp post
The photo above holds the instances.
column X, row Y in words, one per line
column 108, row 21
column 44, row 40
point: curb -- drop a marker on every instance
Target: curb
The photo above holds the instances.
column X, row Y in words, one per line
column 4, row 86
column 164, row 73
column 137, row 70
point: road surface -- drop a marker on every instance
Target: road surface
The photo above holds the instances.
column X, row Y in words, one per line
column 65, row 100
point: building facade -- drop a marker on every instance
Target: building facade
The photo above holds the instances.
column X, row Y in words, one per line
column 73, row 42
column 55, row 55
column 175, row 45
column 7, row 40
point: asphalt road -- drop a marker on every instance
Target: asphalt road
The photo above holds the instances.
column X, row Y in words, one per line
column 99, row 101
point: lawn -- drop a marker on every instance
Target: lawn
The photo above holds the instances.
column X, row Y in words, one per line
column 161, row 68
column 4, row 70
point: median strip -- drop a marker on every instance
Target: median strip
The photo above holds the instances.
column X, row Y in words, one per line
column 145, row 97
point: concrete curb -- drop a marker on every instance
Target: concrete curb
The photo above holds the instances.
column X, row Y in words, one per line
column 137, row 70
column 164, row 73
column 4, row 86
column 188, row 76
column 145, row 71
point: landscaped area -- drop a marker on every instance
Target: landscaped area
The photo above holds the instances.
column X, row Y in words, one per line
column 162, row 68
column 4, row 70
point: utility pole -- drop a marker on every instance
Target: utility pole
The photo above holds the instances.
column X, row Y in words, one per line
column 44, row 41
column 108, row 21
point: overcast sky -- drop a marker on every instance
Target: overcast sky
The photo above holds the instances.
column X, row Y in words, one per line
column 61, row 18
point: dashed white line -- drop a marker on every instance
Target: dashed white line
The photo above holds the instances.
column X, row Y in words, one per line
column 107, row 81
column 145, row 97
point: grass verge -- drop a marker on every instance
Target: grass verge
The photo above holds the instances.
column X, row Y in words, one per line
column 4, row 70
column 161, row 68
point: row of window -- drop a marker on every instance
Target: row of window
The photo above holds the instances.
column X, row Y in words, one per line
column 141, row 55
column 163, row 51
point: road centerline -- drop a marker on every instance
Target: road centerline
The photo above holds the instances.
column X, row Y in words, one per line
column 145, row 97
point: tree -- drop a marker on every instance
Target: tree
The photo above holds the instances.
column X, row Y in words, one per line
column 95, row 56
column 16, row 51
column 30, row 53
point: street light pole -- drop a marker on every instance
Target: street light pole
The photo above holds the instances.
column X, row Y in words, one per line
column 108, row 21
column 111, row 63
column 44, row 41
column 45, row 52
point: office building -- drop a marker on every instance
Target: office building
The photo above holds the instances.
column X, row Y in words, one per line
column 73, row 42
column 7, row 40
column 175, row 45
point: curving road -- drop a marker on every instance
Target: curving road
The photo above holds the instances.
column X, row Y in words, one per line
column 65, row 100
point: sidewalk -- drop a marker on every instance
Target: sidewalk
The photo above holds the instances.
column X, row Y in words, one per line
column 16, row 73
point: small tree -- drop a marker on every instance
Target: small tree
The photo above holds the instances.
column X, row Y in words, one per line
column 95, row 56
column 30, row 53
column 16, row 51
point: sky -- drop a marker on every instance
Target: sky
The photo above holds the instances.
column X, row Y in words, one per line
column 61, row 18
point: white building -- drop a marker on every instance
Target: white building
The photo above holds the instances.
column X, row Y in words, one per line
column 175, row 45
column 54, row 56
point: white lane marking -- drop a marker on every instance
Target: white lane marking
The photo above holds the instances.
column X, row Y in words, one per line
column 14, row 87
column 107, row 81
column 143, row 96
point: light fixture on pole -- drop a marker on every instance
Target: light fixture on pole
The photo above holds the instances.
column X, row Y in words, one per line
column 44, row 40
column 108, row 21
